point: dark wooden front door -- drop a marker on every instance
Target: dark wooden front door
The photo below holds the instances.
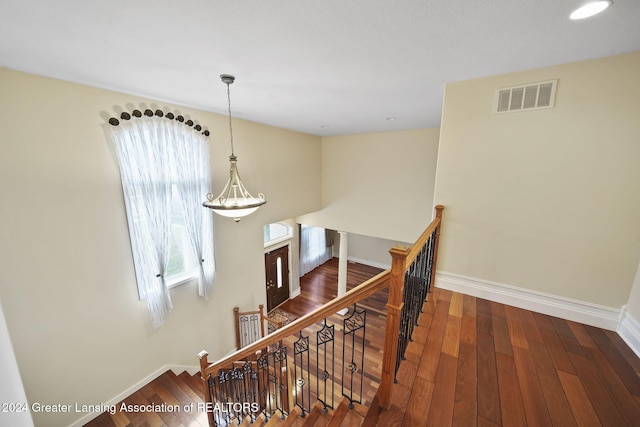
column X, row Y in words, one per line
column 276, row 265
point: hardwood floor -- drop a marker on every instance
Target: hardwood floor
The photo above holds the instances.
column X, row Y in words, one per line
column 320, row 286
column 475, row 362
column 472, row 362
column 478, row 363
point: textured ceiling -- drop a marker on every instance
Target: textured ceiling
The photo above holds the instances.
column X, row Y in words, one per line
column 302, row 64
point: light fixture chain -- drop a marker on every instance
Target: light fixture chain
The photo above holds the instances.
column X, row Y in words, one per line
column 235, row 200
column 230, row 127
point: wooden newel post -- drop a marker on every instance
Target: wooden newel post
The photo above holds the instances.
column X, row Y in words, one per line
column 394, row 308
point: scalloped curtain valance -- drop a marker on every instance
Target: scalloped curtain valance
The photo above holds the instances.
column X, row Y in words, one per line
column 158, row 113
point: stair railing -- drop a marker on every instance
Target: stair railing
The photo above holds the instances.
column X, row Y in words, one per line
column 275, row 381
column 412, row 273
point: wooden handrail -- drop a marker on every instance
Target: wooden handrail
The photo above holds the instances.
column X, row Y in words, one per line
column 355, row 295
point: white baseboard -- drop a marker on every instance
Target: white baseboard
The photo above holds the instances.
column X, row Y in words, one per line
column 370, row 263
column 294, row 293
column 553, row 305
column 177, row 369
column 629, row 330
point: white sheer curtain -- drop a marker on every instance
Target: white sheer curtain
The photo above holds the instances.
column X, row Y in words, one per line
column 313, row 248
column 155, row 154
column 145, row 169
column 193, row 180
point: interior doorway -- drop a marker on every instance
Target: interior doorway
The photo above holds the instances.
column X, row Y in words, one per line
column 276, row 264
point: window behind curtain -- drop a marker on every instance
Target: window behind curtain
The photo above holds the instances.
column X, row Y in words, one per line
column 164, row 167
column 313, row 248
column 183, row 264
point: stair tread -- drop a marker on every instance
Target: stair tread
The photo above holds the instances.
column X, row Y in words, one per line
column 312, row 417
column 105, row 420
column 259, row 421
column 289, row 421
column 186, row 394
column 196, row 383
column 373, row 414
column 151, row 419
column 170, row 382
column 339, row 414
column 120, row 419
column 352, row 419
column 186, row 387
column 165, row 389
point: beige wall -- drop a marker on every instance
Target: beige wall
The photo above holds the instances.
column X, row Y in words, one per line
column 68, row 289
column 378, row 184
column 370, row 250
column 545, row 200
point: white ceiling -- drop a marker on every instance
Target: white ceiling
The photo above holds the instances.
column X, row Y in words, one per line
column 304, row 64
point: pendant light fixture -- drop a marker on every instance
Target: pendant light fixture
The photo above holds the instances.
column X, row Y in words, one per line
column 235, row 201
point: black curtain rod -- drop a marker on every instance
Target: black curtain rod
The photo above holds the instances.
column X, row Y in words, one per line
column 159, row 113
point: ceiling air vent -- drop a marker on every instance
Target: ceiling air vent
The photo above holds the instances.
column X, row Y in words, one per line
column 531, row 96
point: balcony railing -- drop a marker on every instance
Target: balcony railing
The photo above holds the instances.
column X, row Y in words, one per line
column 323, row 361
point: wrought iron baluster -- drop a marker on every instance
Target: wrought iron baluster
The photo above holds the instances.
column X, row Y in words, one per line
column 300, row 371
column 220, row 412
column 417, row 284
column 255, row 327
column 237, row 389
column 281, row 383
column 354, row 369
column 417, row 296
column 411, row 294
column 421, row 275
column 215, row 394
column 432, row 252
column 264, row 385
column 403, row 333
column 325, row 367
column 251, row 395
column 274, row 391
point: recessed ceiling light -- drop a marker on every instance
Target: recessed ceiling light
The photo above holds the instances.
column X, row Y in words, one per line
column 390, row 119
column 589, row 9
column 324, row 126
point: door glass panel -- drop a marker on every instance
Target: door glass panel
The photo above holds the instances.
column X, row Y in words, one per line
column 279, row 274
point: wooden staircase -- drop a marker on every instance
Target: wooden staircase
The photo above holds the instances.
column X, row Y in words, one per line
column 184, row 394
column 341, row 416
column 179, row 401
